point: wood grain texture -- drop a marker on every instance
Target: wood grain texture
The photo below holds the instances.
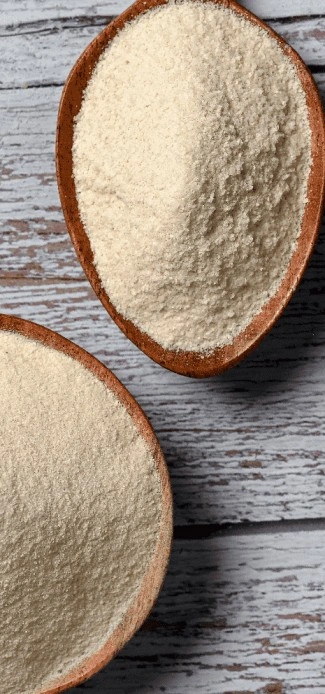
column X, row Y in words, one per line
column 31, row 220
column 44, row 52
column 191, row 362
column 237, row 614
column 17, row 12
column 240, row 612
column 246, row 446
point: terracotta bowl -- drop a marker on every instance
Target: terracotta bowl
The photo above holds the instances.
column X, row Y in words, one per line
column 153, row 579
column 189, row 363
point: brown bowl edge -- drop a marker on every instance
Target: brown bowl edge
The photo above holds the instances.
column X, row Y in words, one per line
column 153, row 579
column 190, row 363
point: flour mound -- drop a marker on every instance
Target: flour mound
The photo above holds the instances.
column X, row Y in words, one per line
column 191, row 155
column 80, row 506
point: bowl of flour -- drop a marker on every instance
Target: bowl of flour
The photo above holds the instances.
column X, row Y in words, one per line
column 86, row 512
column 190, row 163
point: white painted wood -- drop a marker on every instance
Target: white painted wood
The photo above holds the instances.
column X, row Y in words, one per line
column 28, row 184
column 15, row 12
column 237, row 614
column 27, row 132
column 284, row 8
column 240, row 612
column 248, row 445
column 307, row 37
column 45, row 54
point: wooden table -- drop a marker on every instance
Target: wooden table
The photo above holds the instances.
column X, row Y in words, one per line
column 242, row 609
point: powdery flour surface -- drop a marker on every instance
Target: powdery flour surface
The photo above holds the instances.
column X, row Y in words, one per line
column 191, row 160
column 80, row 506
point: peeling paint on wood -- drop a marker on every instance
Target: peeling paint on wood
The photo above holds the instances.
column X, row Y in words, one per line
column 247, row 446
column 218, row 626
column 16, row 12
column 30, row 211
column 265, row 413
column 45, row 52
column 242, row 610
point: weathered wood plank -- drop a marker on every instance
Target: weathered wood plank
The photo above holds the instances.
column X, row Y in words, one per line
column 307, row 37
column 45, row 53
column 16, row 12
column 243, row 443
column 30, row 215
column 237, row 614
column 248, row 445
column 241, row 611
column 239, row 447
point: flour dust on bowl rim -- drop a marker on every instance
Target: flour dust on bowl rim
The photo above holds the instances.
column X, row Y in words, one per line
column 86, row 512
column 194, row 361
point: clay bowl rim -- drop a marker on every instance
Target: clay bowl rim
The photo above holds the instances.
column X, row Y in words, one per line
column 153, row 579
column 190, row 363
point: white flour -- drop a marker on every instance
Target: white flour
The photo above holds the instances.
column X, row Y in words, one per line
column 191, row 159
column 80, row 505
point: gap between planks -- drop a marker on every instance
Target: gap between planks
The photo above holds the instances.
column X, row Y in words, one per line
column 48, row 53
column 50, row 26
column 15, row 12
column 242, row 614
column 205, row 531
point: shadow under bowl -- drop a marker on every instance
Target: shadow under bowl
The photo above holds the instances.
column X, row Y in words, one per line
column 189, row 363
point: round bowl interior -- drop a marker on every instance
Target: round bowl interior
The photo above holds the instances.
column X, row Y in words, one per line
column 189, row 363
column 153, row 579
